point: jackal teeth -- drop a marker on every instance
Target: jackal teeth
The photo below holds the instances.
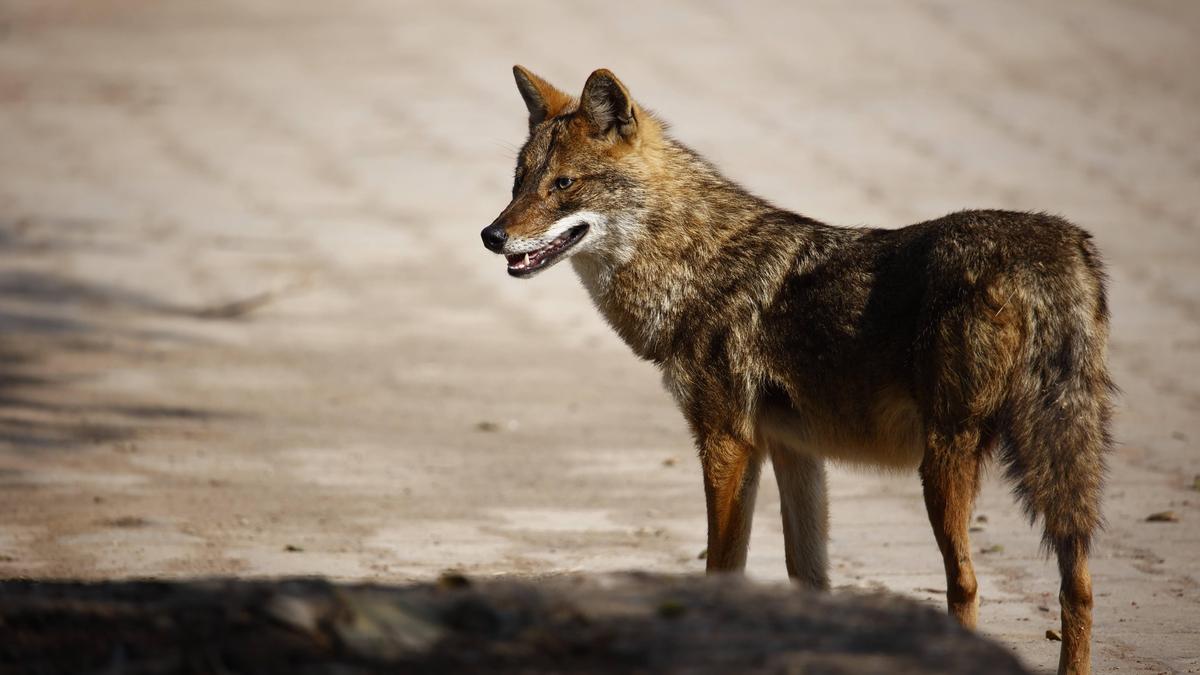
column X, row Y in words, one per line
column 521, row 264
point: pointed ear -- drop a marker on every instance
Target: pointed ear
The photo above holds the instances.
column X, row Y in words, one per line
column 542, row 99
column 607, row 105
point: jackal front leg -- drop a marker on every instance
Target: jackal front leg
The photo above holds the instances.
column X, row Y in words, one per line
column 805, row 508
column 731, row 469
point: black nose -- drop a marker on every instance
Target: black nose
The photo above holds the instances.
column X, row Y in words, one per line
column 494, row 237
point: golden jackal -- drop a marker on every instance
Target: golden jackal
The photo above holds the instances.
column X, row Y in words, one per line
column 934, row 346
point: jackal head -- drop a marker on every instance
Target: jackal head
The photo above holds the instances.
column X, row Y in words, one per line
column 579, row 180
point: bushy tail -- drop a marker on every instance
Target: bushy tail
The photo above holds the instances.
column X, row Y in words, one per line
column 1058, row 426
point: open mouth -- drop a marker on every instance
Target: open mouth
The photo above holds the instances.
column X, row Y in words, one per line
column 524, row 264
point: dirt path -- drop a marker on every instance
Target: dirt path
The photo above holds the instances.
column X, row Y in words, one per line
column 246, row 326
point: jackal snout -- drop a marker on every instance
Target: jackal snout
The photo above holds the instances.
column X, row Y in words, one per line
column 530, row 244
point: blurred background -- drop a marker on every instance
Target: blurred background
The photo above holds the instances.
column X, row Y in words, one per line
column 247, row 326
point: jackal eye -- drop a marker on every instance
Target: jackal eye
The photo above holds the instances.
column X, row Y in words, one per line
column 562, row 182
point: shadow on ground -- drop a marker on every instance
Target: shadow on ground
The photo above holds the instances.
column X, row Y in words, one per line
column 624, row 622
column 49, row 354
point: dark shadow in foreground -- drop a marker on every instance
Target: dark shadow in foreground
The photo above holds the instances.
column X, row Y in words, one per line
column 622, row 622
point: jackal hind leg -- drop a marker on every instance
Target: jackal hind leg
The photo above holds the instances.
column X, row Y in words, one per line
column 950, row 477
column 1075, row 600
column 804, row 504
column 731, row 469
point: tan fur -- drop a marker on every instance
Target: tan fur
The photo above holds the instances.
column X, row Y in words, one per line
column 890, row 436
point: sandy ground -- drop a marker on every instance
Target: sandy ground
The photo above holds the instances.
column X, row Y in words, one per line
column 247, row 327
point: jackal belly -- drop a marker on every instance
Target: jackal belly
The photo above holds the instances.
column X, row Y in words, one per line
column 885, row 432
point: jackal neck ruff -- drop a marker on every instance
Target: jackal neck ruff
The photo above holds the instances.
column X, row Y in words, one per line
column 698, row 247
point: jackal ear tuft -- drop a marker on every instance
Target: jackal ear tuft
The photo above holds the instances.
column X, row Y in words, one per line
column 542, row 99
column 607, row 105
